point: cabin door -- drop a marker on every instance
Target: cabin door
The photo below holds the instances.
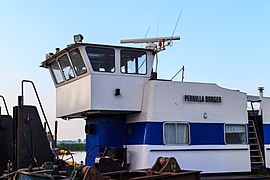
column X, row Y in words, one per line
column 256, row 141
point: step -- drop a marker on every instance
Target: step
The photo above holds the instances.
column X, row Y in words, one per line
column 254, row 140
column 256, row 159
column 255, row 150
column 254, row 147
column 256, row 162
column 256, row 156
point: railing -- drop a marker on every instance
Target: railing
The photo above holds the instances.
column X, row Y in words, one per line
column 21, row 102
column 4, row 104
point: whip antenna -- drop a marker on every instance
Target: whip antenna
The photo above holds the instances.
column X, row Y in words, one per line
column 177, row 22
column 146, row 34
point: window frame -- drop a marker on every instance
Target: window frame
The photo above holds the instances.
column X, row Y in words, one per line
column 137, row 66
column 175, row 124
column 71, row 67
column 246, row 135
column 53, row 74
column 74, row 65
column 98, row 71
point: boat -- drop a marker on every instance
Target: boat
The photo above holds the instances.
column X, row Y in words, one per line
column 29, row 148
column 137, row 126
column 128, row 109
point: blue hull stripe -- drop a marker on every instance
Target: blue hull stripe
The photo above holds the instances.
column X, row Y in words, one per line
column 145, row 133
column 207, row 134
column 266, row 129
column 152, row 133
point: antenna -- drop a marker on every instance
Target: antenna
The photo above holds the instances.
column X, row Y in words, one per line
column 162, row 42
column 157, row 26
column 177, row 21
column 146, row 34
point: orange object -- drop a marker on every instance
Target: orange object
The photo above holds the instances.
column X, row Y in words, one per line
column 160, row 42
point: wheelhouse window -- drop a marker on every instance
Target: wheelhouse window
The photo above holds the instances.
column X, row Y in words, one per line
column 101, row 59
column 133, row 62
column 56, row 72
column 176, row 133
column 235, row 134
column 77, row 62
column 66, row 67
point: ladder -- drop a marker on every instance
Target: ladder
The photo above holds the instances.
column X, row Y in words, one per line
column 256, row 155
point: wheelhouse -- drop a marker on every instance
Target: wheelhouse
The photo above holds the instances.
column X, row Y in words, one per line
column 115, row 72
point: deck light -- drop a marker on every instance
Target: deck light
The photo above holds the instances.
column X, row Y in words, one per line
column 78, row 38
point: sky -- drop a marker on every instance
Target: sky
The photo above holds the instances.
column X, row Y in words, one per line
column 226, row 42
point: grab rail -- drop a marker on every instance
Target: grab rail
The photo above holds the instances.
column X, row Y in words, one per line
column 4, row 104
column 44, row 116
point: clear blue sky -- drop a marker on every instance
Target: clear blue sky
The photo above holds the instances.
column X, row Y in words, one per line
column 225, row 42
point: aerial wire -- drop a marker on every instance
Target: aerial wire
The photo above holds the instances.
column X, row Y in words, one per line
column 183, row 68
column 156, row 53
column 177, row 22
column 141, row 47
column 157, row 26
column 146, row 35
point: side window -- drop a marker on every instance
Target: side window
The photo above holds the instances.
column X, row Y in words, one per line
column 55, row 69
column 176, row 133
column 77, row 62
column 133, row 62
column 235, row 134
column 66, row 67
column 101, row 59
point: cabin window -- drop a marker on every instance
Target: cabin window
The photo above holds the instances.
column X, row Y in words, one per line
column 133, row 62
column 176, row 133
column 66, row 67
column 101, row 59
column 56, row 72
column 235, row 134
column 77, row 62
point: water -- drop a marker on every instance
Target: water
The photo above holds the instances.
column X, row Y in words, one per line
column 79, row 156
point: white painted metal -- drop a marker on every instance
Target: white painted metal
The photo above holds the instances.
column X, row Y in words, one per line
column 73, row 98
column 96, row 91
column 266, row 109
column 150, row 40
column 266, row 121
column 164, row 101
column 222, row 158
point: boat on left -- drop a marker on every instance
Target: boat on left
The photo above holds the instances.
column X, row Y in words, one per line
column 27, row 146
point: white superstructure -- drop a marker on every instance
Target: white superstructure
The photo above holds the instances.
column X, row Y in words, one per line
column 204, row 126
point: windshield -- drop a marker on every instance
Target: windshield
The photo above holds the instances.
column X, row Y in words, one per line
column 133, row 62
column 56, row 72
column 101, row 59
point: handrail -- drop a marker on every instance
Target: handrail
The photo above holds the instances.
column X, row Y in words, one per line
column 4, row 104
column 183, row 71
column 44, row 116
